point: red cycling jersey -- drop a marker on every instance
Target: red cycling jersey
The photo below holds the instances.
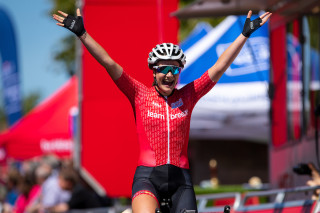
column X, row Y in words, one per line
column 163, row 122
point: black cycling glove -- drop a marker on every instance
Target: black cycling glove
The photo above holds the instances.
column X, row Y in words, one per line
column 251, row 26
column 74, row 24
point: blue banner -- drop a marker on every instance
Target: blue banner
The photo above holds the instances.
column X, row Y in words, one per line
column 251, row 65
column 238, row 106
column 9, row 70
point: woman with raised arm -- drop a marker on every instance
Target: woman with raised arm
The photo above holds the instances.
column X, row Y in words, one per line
column 162, row 114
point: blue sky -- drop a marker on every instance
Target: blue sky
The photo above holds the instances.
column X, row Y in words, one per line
column 37, row 37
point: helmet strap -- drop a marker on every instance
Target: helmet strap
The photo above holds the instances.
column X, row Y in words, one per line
column 155, row 83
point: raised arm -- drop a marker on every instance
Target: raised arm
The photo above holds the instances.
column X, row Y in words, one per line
column 228, row 56
column 75, row 25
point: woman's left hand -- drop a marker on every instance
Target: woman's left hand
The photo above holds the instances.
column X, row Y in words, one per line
column 251, row 26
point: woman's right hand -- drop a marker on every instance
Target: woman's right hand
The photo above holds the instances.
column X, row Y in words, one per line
column 315, row 181
column 74, row 24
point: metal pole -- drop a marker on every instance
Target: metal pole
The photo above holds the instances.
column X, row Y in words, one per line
column 160, row 21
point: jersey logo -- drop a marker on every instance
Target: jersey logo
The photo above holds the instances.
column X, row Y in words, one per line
column 179, row 115
column 155, row 115
column 177, row 104
column 156, row 104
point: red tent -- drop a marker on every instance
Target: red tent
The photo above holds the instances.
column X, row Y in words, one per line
column 46, row 129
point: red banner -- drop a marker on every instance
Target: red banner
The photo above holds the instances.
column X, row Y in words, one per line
column 128, row 30
column 279, row 79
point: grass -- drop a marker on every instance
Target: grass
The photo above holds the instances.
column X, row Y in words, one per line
column 220, row 189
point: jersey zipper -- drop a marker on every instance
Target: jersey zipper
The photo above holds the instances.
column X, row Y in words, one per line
column 168, row 160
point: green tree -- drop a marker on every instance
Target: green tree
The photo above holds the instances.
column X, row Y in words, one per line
column 28, row 103
column 66, row 55
column 3, row 120
column 314, row 24
column 187, row 25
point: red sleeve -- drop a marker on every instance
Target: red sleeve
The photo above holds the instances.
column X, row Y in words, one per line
column 199, row 87
column 129, row 86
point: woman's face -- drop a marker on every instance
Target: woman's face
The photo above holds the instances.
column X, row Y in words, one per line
column 166, row 82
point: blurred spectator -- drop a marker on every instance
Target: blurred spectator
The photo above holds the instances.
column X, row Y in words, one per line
column 52, row 194
column 213, row 165
column 81, row 197
column 255, row 182
column 12, row 183
column 41, row 174
column 29, row 191
column 28, row 168
column 3, row 183
column 315, row 180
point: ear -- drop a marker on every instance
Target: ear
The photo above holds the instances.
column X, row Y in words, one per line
column 154, row 74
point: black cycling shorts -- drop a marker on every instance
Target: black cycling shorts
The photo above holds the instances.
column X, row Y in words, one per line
column 163, row 182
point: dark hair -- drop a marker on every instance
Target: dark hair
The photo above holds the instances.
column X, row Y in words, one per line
column 70, row 175
column 154, row 83
column 52, row 161
column 14, row 177
column 25, row 185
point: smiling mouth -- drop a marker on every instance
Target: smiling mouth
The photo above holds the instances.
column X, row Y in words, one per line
column 167, row 83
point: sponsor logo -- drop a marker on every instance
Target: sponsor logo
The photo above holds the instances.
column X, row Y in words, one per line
column 179, row 115
column 245, row 63
column 155, row 115
column 72, row 24
column 8, row 68
column 177, row 104
column 156, row 104
column 251, row 25
column 56, row 145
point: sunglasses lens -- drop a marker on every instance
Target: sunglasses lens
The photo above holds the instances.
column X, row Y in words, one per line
column 165, row 69
column 176, row 70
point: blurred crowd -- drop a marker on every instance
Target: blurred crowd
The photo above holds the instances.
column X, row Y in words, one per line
column 46, row 184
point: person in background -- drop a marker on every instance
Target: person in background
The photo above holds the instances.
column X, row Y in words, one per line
column 29, row 191
column 315, row 180
column 41, row 174
column 12, row 186
column 52, row 194
column 9, row 185
column 81, row 197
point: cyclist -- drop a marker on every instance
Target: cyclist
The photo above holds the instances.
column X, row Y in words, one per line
column 162, row 114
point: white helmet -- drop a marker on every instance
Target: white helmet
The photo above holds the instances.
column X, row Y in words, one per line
column 166, row 51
